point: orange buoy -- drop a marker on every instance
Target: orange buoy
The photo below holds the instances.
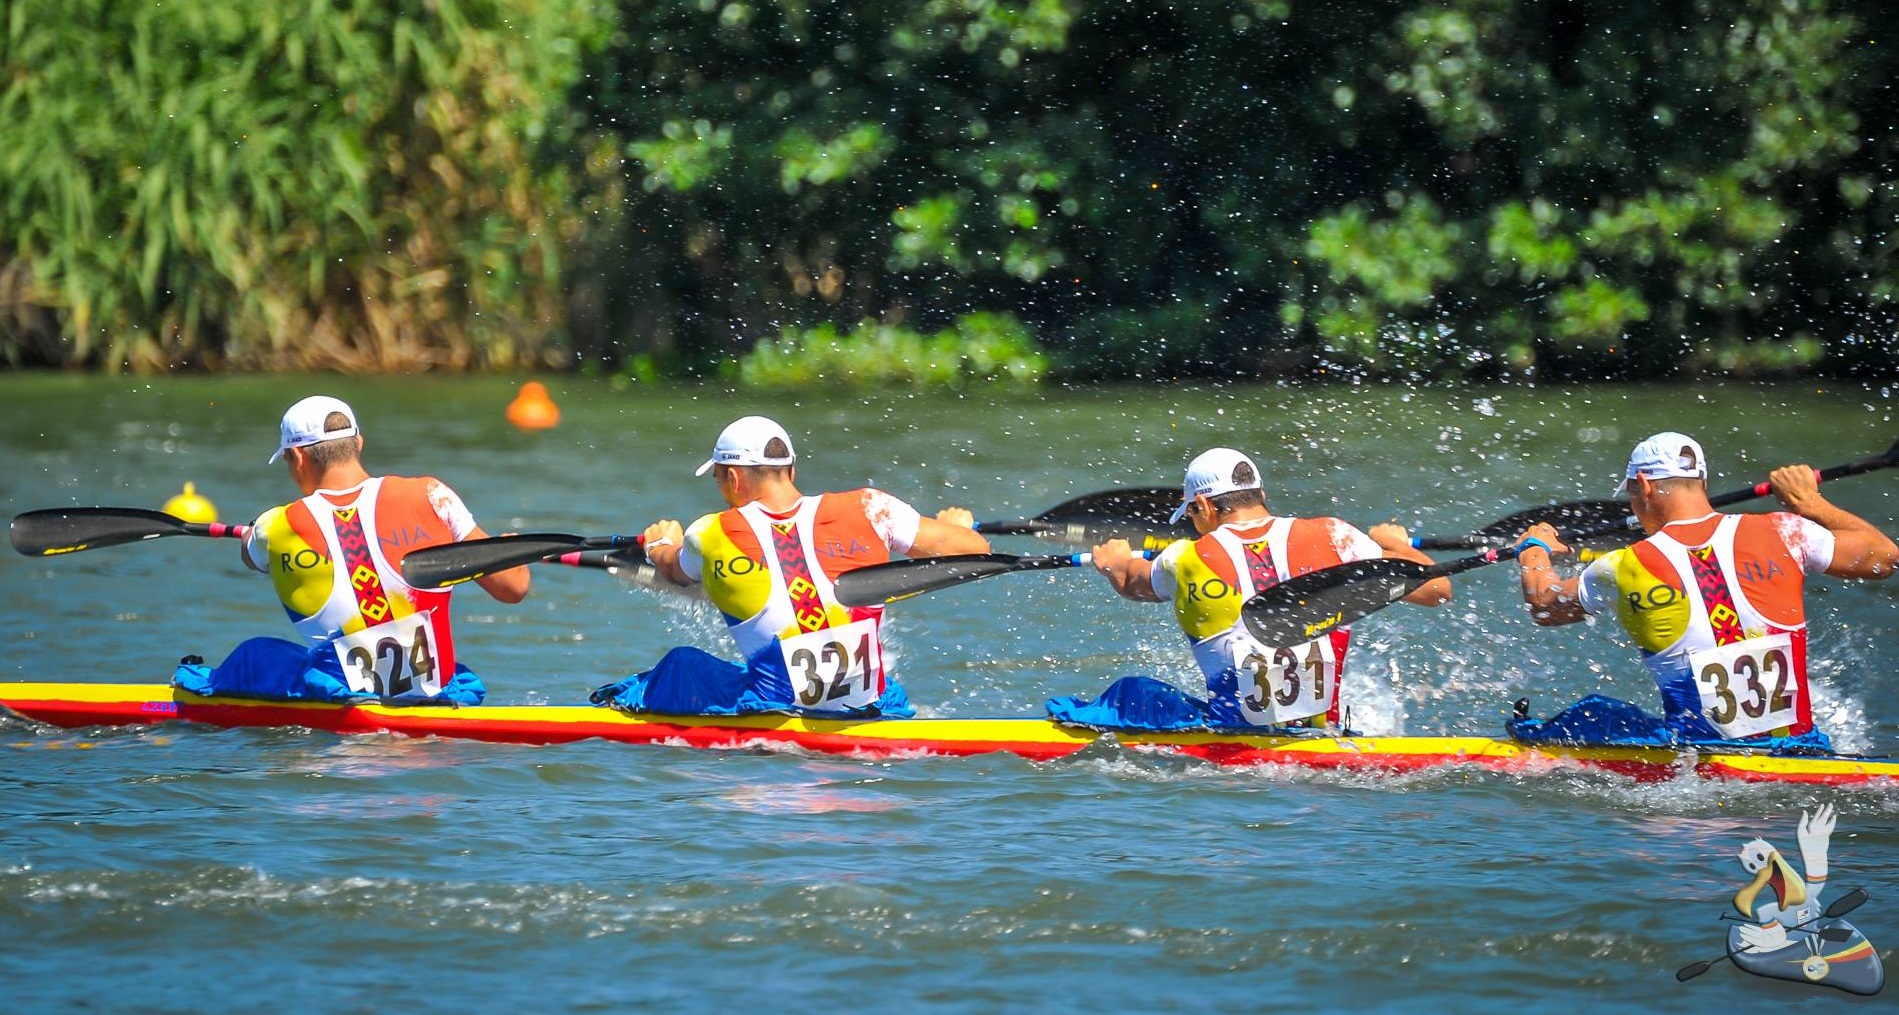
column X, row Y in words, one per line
column 532, row 409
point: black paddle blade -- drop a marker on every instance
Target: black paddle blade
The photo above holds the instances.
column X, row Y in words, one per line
column 1138, row 515
column 69, row 530
column 1847, row 903
column 1836, row 934
column 436, row 567
column 901, row 579
column 1692, row 970
column 1574, row 516
column 1306, row 606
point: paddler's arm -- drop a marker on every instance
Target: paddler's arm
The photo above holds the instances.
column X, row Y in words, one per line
column 1131, row 576
column 1553, row 599
column 1396, row 544
column 663, row 541
column 952, row 531
column 1859, row 549
column 510, row 586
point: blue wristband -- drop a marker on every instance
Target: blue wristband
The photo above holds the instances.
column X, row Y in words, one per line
column 1533, row 541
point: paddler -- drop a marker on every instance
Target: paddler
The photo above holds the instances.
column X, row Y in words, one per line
column 335, row 559
column 1713, row 601
column 1243, row 549
column 767, row 562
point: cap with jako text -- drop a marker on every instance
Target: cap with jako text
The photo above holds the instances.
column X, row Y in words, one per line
column 748, row 441
column 305, row 423
column 1222, row 470
column 1667, row 455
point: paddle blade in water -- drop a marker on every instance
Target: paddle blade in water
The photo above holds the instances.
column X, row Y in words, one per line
column 901, row 579
column 437, row 567
column 68, row 530
column 1304, row 607
column 1575, row 516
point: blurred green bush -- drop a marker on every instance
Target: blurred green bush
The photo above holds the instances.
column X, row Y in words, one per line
column 356, row 185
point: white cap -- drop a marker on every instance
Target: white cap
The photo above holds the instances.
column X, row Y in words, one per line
column 1214, row 473
column 1667, row 455
column 744, row 442
column 304, row 423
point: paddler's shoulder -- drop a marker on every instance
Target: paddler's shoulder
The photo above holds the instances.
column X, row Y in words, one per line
column 867, row 501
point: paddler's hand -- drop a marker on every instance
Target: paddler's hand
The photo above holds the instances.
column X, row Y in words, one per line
column 1130, row 575
column 1796, row 487
column 959, row 517
column 1390, row 536
column 1111, row 558
column 661, row 543
column 1545, row 532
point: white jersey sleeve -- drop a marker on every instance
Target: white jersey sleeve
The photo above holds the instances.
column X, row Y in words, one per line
column 1810, row 542
column 1162, row 576
column 256, row 547
column 691, row 558
column 895, row 522
column 448, row 506
column 1596, row 588
column 1352, row 543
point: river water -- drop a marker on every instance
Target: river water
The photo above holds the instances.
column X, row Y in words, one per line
column 188, row 869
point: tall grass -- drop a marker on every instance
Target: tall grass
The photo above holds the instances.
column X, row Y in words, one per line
column 335, row 184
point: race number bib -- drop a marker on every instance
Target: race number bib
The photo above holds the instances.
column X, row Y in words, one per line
column 394, row 659
column 1747, row 687
column 1279, row 685
column 837, row 668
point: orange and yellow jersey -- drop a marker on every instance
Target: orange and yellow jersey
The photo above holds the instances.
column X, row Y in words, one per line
column 771, row 573
column 1207, row 581
column 335, row 557
column 1715, row 606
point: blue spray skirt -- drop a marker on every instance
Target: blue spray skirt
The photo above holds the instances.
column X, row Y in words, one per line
column 690, row 681
column 1601, row 721
column 278, row 670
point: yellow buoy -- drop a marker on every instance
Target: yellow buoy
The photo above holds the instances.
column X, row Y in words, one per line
column 532, row 409
column 192, row 507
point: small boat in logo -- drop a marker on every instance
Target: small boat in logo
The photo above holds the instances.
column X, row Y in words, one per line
column 1782, row 931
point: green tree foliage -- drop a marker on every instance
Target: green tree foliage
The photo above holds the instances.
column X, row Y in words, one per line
column 1227, row 187
column 1261, row 186
column 982, row 348
column 347, row 184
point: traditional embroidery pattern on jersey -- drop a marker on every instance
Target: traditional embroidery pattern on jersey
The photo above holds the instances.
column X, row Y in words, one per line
column 371, row 601
column 1716, row 596
column 805, row 604
column 1259, row 564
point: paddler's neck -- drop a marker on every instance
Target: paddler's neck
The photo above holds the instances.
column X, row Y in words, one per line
column 1655, row 507
column 1244, row 516
column 341, row 476
column 777, row 493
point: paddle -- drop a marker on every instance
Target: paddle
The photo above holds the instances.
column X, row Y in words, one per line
column 1304, row 607
column 69, row 530
column 1137, row 515
column 436, row 567
column 901, row 579
column 1575, row 516
column 1841, row 906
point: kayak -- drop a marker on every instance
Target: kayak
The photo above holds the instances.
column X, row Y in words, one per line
column 84, row 704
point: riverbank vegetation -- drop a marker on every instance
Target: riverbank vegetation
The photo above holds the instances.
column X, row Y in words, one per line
column 952, row 189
